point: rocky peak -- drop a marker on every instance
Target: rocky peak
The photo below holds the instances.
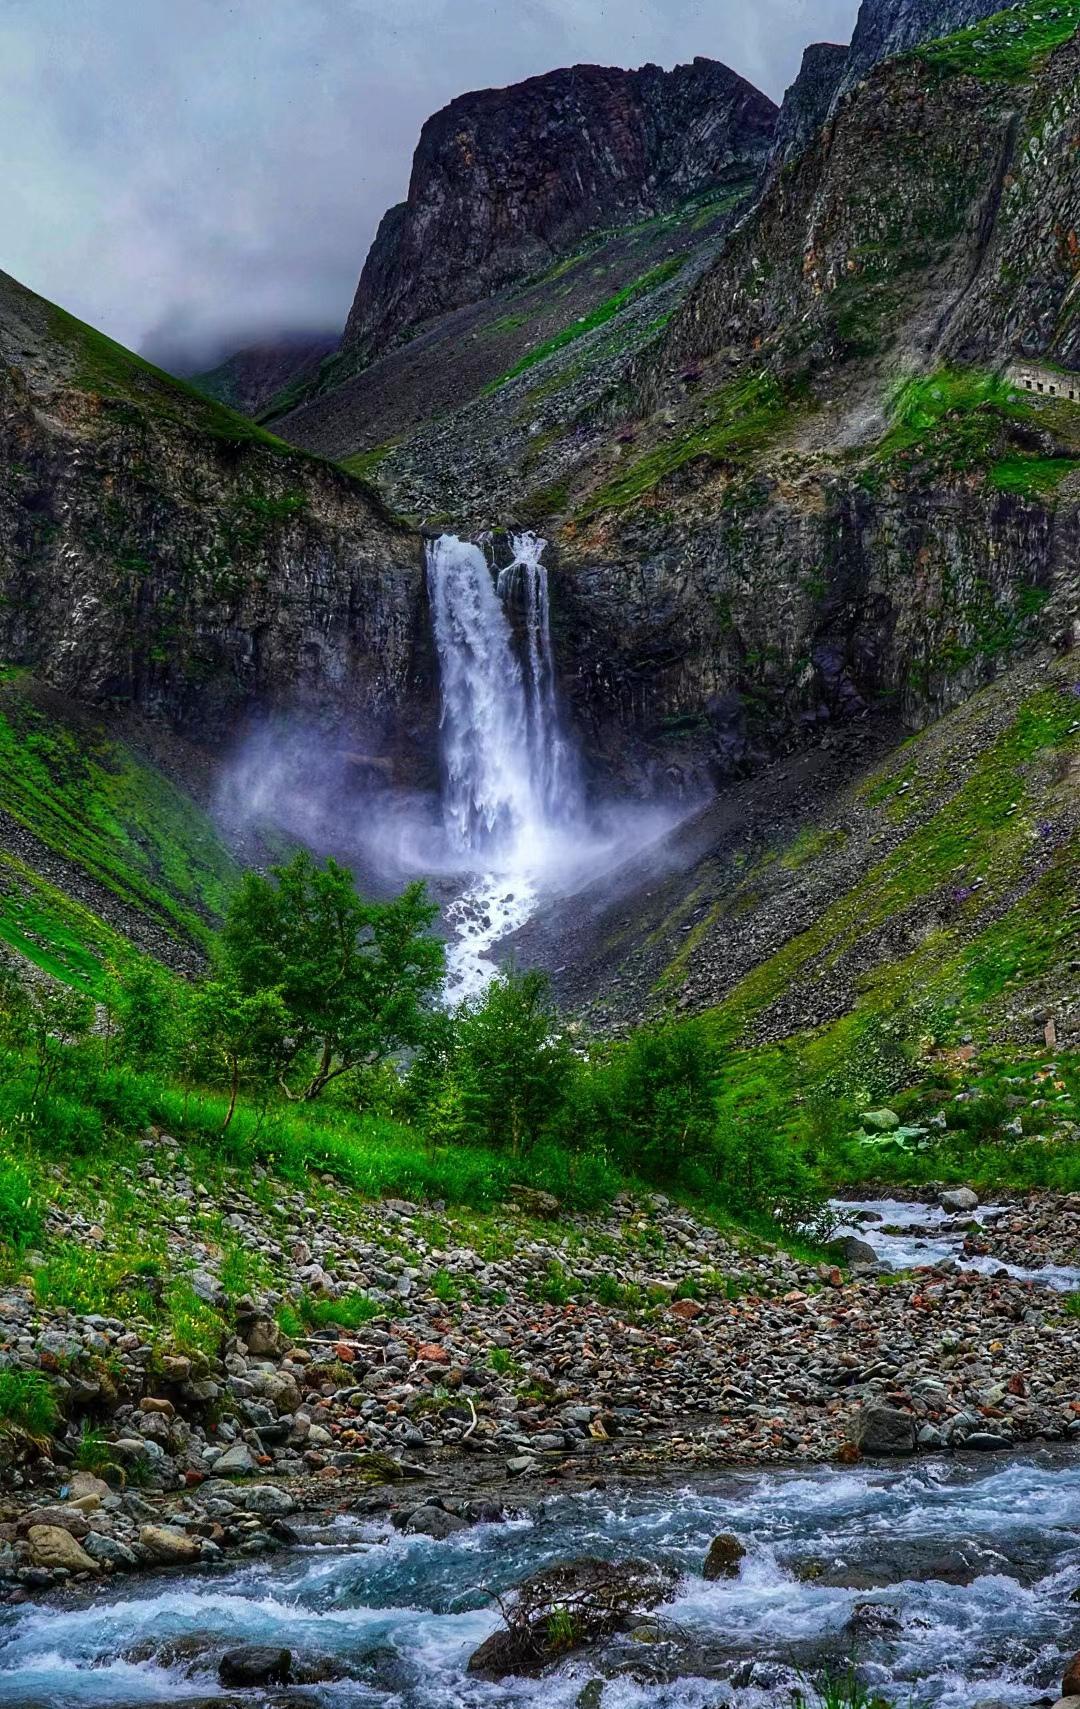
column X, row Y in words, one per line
column 885, row 28
column 807, row 102
column 506, row 180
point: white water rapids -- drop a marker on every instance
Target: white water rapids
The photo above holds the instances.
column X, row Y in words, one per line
column 512, row 799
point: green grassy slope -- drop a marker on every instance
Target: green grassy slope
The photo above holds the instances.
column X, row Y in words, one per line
column 93, row 840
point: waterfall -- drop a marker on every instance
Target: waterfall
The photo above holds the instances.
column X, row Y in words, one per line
column 511, row 791
column 510, row 776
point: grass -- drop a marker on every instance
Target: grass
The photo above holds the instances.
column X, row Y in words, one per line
column 1008, row 47
column 351, row 1311
column 1032, row 477
column 93, row 802
column 599, row 316
column 737, row 420
column 364, row 463
column 28, row 1404
column 104, row 367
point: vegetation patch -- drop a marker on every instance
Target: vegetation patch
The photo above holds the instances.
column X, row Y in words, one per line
column 599, row 316
column 736, row 421
column 1008, row 47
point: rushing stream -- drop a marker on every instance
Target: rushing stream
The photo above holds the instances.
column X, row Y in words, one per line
column 842, row 1565
column 906, row 1235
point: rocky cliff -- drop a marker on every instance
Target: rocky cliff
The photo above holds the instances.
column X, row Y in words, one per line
column 506, row 180
column 807, row 101
column 817, row 495
column 158, row 551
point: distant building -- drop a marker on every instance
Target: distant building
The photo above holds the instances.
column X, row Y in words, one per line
column 1048, row 382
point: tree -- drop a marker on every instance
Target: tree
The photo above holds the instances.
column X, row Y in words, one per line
column 356, row 979
column 144, row 1004
column 512, row 1062
column 247, row 1034
column 45, row 1018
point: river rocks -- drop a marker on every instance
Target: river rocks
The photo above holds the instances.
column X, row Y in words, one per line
column 235, row 1462
column 255, row 1664
column 53, row 1547
column 434, row 1522
column 880, row 1121
column 67, row 1518
column 878, row 1429
column 1070, row 1684
column 167, row 1547
column 959, row 1199
column 850, row 1250
column 724, row 1558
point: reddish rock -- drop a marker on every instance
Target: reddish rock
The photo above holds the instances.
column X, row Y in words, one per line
column 432, row 1354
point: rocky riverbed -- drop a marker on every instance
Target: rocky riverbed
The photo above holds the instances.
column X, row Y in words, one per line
column 529, row 1343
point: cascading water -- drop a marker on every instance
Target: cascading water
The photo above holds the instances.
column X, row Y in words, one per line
column 511, row 788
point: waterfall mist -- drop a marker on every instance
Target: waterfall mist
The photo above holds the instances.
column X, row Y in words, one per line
column 512, row 830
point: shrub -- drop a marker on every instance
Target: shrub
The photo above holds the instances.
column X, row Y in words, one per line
column 20, row 1212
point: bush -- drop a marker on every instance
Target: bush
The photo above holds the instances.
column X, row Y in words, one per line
column 349, row 1312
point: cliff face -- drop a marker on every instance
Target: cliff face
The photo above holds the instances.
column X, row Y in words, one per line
column 160, row 552
column 822, row 497
column 806, row 103
column 505, row 180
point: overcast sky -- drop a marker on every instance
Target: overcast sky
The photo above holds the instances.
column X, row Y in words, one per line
column 185, row 173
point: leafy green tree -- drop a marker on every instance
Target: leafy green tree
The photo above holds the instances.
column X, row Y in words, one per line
column 512, row 1063
column 244, row 1035
column 356, row 979
column 145, row 1016
column 660, row 1101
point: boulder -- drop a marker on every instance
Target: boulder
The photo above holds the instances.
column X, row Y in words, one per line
column 959, row 1199
column 169, row 1548
column 255, row 1664
column 724, row 1558
column 849, row 1249
column 70, row 1519
column 1070, row 1685
column 880, row 1429
column 263, row 1338
column 109, row 1551
column 880, row 1121
column 236, row 1462
column 434, row 1522
column 51, row 1546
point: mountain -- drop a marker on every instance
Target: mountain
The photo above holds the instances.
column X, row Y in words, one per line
column 505, row 181
column 253, row 378
column 159, row 551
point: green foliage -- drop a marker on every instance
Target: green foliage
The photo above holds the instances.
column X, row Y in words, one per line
column 355, row 979
column 1032, row 477
column 1008, row 47
column 28, row 1404
column 21, row 1216
column 144, row 1006
column 508, row 1066
column 241, row 1037
column 599, row 316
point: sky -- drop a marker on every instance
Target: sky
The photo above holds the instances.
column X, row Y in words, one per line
column 190, row 175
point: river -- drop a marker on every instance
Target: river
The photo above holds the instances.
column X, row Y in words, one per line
column 841, row 1563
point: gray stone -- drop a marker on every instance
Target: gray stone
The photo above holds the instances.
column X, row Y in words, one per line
column 255, row 1664
column 880, row 1429
column 236, row 1462
column 959, row 1199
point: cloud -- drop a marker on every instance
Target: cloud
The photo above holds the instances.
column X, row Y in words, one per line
column 187, row 174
